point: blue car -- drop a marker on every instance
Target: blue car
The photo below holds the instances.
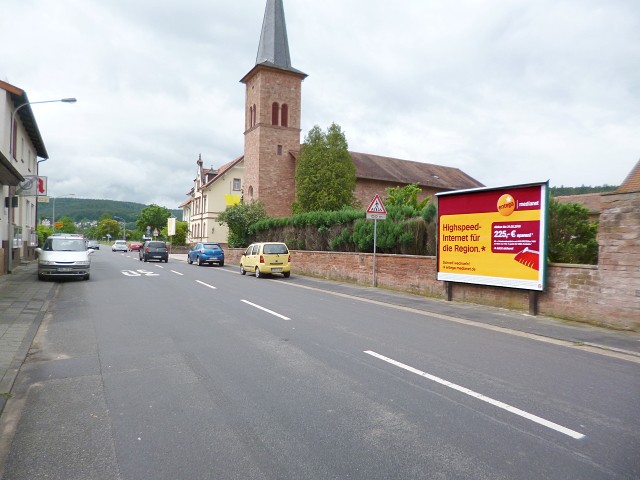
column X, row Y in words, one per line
column 202, row 253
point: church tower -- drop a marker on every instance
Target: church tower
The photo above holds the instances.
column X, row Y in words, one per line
column 272, row 118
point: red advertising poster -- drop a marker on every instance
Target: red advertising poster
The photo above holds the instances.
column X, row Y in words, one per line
column 494, row 236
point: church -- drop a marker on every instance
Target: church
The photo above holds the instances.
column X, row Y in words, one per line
column 266, row 169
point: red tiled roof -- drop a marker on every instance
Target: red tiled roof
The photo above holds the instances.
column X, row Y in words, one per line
column 223, row 169
column 591, row 201
column 632, row 182
column 375, row 167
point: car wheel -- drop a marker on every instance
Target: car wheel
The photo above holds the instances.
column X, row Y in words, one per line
column 287, row 274
column 166, row 260
column 200, row 262
column 87, row 276
column 221, row 264
column 258, row 273
column 144, row 258
column 242, row 270
column 189, row 261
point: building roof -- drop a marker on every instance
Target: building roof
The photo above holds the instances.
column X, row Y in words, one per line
column 632, row 182
column 273, row 50
column 224, row 169
column 387, row 169
column 19, row 97
column 591, row 201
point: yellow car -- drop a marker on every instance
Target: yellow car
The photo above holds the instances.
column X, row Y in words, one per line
column 265, row 258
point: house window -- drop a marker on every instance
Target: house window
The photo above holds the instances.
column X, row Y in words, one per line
column 236, row 185
column 251, row 193
column 284, row 115
column 275, row 113
column 279, row 149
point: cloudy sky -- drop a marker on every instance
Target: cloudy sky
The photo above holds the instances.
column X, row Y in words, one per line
column 509, row 91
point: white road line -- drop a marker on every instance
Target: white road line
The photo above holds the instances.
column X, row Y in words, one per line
column 206, row 284
column 158, row 266
column 479, row 396
column 177, row 273
column 265, row 310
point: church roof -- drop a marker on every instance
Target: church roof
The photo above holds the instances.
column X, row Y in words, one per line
column 273, row 50
column 387, row 169
column 632, row 182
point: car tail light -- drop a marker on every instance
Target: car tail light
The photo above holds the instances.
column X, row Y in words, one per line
column 202, row 250
column 289, row 259
column 146, row 250
column 261, row 259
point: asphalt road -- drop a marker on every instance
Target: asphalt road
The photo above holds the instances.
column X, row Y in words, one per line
column 174, row 371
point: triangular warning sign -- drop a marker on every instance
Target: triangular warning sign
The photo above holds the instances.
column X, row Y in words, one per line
column 376, row 206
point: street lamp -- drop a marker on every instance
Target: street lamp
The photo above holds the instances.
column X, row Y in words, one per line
column 15, row 111
column 53, row 213
column 12, row 152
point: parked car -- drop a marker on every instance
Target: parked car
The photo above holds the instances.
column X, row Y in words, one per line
column 93, row 244
column 135, row 246
column 202, row 253
column 120, row 246
column 64, row 256
column 154, row 250
column 265, row 258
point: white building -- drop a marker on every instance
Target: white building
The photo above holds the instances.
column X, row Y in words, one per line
column 20, row 147
column 212, row 191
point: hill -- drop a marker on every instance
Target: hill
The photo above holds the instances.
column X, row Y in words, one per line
column 82, row 209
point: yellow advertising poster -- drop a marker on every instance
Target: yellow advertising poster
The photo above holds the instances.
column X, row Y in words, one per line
column 493, row 236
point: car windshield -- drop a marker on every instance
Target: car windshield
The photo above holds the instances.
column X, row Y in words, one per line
column 211, row 246
column 57, row 244
column 275, row 248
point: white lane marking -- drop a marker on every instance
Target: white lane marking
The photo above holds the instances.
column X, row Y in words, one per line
column 479, row 396
column 265, row 310
column 206, row 284
column 158, row 266
column 177, row 273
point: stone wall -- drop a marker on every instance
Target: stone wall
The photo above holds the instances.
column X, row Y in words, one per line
column 606, row 294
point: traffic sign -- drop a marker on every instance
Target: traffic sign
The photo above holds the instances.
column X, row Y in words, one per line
column 376, row 210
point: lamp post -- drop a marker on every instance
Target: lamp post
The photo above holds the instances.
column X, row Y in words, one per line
column 124, row 227
column 53, row 212
column 12, row 152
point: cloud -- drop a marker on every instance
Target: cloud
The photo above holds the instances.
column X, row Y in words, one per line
column 509, row 92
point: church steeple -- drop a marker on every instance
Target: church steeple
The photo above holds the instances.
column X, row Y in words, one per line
column 272, row 118
column 273, row 50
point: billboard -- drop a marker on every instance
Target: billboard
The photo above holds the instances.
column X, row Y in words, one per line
column 494, row 236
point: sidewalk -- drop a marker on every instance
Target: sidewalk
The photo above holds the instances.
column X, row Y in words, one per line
column 23, row 303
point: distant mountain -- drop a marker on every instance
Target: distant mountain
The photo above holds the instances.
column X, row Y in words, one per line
column 88, row 209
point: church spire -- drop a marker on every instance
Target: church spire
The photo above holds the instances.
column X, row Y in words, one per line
column 273, row 50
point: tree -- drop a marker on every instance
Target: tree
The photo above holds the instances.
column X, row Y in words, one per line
column 572, row 237
column 325, row 175
column 239, row 218
column 407, row 196
column 153, row 216
column 108, row 227
column 68, row 225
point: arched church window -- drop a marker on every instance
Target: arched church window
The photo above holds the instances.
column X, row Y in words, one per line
column 284, row 116
column 275, row 113
column 250, row 192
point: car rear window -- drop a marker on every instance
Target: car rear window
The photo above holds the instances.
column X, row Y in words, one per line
column 156, row 244
column 212, row 246
column 275, row 248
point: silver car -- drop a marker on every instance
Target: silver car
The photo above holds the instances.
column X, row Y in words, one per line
column 64, row 256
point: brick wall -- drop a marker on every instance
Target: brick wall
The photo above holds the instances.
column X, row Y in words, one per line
column 607, row 294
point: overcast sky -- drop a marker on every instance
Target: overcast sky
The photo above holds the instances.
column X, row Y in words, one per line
column 508, row 91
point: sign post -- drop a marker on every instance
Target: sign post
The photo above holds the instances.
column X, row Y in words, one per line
column 376, row 211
